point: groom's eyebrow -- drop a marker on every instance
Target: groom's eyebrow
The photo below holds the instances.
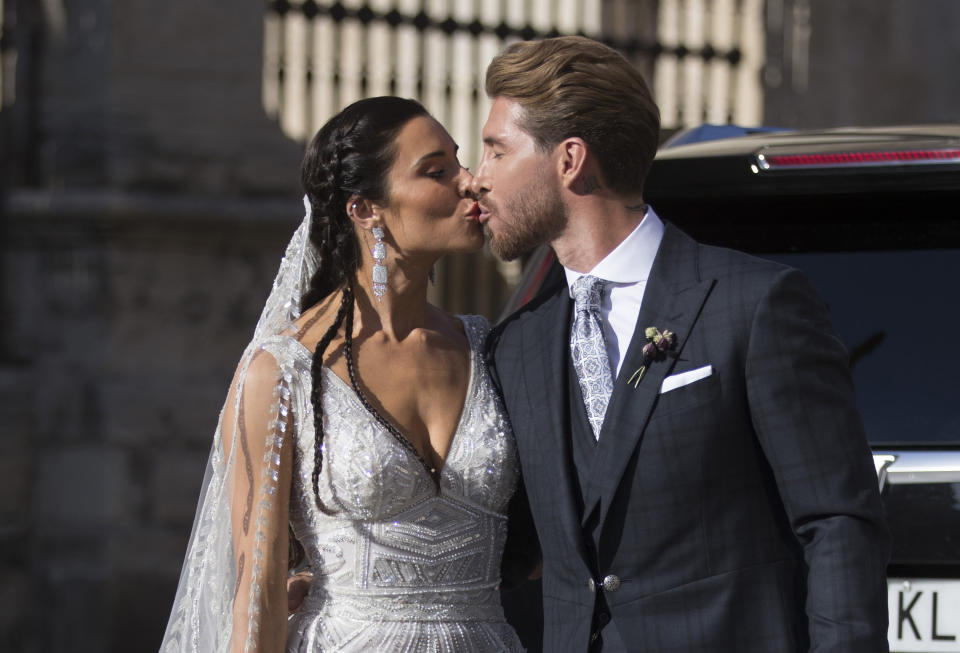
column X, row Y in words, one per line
column 492, row 140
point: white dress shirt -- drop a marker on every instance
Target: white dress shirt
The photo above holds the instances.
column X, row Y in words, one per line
column 625, row 270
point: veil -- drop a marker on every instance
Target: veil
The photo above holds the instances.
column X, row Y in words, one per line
column 232, row 589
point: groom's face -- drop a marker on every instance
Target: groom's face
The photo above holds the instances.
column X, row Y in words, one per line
column 517, row 185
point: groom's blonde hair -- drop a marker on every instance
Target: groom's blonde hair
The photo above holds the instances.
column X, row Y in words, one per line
column 572, row 86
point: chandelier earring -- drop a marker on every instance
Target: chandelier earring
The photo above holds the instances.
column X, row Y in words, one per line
column 379, row 253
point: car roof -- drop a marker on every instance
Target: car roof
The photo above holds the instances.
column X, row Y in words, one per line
column 754, row 140
column 846, row 188
column 857, row 160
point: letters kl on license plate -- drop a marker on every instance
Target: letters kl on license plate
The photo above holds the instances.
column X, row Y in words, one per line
column 924, row 615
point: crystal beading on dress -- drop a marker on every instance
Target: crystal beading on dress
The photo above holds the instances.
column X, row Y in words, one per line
column 400, row 563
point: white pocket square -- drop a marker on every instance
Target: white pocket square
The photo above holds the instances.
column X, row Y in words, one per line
column 685, row 378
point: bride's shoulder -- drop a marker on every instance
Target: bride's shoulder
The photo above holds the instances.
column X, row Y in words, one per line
column 455, row 327
column 264, row 371
column 476, row 322
column 476, row 328
column 314, row 322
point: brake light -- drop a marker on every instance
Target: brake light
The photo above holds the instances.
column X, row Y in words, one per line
column 853, row 159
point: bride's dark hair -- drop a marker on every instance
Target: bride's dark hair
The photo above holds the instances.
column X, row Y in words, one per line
column 349, row 157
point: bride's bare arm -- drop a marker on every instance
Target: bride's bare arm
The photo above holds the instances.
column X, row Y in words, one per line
column 258, row 434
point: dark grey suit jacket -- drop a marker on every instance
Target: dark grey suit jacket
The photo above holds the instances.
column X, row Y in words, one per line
column 740, row 512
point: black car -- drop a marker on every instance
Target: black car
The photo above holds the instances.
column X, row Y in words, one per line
column 872, row 216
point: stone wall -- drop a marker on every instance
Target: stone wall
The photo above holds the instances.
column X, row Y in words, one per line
column 128, row 325
column 133, row 271
column 162, row 96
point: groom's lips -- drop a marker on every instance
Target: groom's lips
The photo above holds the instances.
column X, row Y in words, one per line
column 484, row 214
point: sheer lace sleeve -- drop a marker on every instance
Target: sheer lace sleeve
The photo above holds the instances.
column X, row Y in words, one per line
column 232, row 592
column 259, row 418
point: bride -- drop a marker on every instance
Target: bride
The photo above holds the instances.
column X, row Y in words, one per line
column 362, row 417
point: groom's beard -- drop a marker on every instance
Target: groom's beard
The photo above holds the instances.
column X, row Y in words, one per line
column 536, row 217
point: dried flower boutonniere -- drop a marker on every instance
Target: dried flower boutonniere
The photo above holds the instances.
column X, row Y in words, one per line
column 655, row 350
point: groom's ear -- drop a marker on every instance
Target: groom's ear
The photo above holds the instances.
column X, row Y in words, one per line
column 573, row 166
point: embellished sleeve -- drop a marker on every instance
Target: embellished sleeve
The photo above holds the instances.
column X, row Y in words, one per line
column 258, row 416
column 232, row 592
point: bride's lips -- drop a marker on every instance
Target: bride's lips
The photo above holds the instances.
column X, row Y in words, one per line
column 473, row 213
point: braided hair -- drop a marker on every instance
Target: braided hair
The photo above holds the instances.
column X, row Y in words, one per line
column 349, row 157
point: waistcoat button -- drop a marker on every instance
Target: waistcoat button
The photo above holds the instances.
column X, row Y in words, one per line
column 611, row 583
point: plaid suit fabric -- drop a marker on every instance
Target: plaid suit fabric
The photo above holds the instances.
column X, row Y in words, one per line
column 740, row 512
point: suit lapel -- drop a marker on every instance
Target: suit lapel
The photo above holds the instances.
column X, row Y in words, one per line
column 544, row 351
column 672, row 300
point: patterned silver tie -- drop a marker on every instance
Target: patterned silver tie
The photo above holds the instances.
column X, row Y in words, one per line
column 589, row 350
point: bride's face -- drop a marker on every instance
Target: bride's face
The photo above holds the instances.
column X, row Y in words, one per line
column 430, row 208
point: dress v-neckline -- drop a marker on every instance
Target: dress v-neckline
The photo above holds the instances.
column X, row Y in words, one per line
column 454, row 438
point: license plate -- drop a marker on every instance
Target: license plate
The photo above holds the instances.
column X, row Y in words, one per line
column 924, row 615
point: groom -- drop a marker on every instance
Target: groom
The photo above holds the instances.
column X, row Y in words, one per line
column 696, row 469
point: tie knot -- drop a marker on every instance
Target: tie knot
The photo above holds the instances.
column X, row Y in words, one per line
column 587, row 293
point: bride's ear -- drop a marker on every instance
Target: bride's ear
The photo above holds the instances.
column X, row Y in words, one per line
column 361, row 212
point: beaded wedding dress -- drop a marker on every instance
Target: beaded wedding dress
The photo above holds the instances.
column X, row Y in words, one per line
column 403, row 565
column 401, row 562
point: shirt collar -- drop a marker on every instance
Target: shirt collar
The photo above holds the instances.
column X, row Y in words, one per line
column 632, row 259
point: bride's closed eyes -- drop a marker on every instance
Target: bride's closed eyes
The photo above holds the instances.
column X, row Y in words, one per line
column 444, row 169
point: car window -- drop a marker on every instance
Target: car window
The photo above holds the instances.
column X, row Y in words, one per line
column 898, row 313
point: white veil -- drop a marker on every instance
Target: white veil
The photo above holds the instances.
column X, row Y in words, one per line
column 237, row 546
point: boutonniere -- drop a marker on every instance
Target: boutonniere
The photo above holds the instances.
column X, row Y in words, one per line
column 659, row 343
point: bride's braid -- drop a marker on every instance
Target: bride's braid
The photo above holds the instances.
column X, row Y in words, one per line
column 349, row 158
column 316, row 393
